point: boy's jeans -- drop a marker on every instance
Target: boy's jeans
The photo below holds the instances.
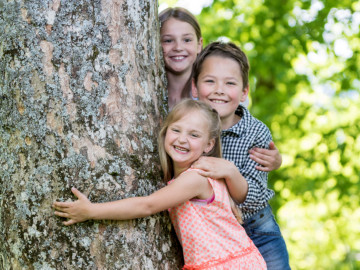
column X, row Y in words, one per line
column 265, row 233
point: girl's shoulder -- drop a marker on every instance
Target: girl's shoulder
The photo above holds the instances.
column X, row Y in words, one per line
column 187, row 173
column 193, row 174
column 192, row 180
column 204, row 183
column 192, row 170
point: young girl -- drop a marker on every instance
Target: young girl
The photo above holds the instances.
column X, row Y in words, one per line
column 181, row 41
column 200, row 208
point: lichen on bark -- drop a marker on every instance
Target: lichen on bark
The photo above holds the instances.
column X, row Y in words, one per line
column 81, row 87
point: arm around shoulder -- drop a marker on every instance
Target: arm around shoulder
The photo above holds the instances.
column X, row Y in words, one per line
column 219, row 168
column 236, row 183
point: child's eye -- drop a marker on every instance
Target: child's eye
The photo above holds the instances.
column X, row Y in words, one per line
column 176, row 130
column 209, row 81
column 167, row 40
column 194, row 135
column 187, row 39
column 231, row 83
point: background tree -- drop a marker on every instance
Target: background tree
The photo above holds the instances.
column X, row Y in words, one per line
column 305, row 70
column 81, row 88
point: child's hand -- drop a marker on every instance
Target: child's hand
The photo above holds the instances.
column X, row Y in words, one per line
column 269, row 159
column 219, row 168
column 77, row 211
column 216, row 168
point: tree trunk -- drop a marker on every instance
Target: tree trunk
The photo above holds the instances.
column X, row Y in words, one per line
column 82, row 96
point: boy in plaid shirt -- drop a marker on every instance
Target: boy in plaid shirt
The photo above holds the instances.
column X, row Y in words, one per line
column 220, row 78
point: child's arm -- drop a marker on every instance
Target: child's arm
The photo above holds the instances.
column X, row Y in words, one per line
column 183, row 188
column 269, row 159
column 219, row 168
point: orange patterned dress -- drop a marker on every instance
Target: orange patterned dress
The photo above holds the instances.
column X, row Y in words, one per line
column 210, row 235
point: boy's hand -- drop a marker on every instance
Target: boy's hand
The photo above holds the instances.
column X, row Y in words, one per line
column 270, row 159
column 77, row 211
column 216, row 168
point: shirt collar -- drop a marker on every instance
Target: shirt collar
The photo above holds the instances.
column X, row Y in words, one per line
column 243, row 124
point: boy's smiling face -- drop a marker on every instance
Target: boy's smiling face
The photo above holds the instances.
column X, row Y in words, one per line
column 220, row 85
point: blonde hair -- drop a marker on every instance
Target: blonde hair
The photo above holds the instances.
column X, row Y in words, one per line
column 183, row 108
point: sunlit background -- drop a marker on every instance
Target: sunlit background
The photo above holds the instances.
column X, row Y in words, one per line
column 305, row 70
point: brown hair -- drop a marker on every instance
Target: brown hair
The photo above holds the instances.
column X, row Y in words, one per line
column 226, row 50
column 183, row 15
column 183, row 108
column 180, row 14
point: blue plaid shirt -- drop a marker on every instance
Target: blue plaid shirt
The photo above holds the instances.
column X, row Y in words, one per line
column 236, row 142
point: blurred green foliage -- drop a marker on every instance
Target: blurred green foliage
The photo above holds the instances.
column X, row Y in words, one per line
column 305, row 81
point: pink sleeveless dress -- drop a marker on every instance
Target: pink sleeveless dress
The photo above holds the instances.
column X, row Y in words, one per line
column 210, row 235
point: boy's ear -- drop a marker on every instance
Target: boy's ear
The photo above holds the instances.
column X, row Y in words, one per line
column 194, row 91
column 209, row 146
column 245, row 93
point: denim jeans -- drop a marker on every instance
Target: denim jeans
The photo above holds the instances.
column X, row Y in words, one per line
column 265, row 233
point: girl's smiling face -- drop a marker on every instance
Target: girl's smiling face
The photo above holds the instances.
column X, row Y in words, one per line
column 187, row 139
column 180, row 45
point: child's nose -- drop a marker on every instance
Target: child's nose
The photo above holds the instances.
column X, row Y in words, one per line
column 219, row 88
column 178, row 46
column 182, row 137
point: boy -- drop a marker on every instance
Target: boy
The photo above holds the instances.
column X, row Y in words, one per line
column 220, row 78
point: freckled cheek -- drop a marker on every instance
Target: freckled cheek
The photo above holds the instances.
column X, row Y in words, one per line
column 194, row 53
column 204, row 92
column 234, row 95
column 168, row 147
column 167, row 140
column 165, row 49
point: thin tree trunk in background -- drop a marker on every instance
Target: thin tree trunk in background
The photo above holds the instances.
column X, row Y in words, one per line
column 82, row 96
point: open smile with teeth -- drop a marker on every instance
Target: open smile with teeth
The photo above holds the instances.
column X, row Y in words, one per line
column 181, row 149
column 177, row 58
column 218, row 101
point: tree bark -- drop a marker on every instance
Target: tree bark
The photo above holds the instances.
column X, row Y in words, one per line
column 82, row 96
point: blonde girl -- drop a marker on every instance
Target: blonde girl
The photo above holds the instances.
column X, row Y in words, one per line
column 200, row 208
